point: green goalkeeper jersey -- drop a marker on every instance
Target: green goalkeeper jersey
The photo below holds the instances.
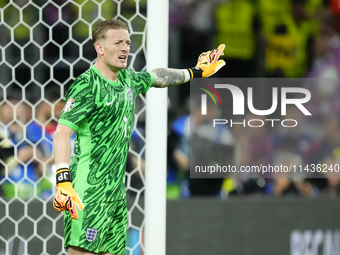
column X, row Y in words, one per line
column 102, row 114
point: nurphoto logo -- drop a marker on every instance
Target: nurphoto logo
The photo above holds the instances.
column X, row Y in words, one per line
column 300, row 97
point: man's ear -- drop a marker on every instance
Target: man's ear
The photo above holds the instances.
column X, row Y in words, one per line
column 99, row 48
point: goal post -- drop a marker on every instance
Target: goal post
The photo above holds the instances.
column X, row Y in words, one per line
column 156, row 131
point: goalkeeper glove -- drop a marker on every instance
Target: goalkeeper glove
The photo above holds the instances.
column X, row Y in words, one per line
column 65, row 198
column 207, row 63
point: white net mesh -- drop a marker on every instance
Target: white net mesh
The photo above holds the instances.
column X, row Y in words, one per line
column 45, row 45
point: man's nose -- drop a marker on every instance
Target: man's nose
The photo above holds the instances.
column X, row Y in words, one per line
column 126, row 47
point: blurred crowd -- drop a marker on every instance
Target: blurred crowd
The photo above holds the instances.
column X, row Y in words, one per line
column 267, row 39
column 26, row 136
column 263, row 38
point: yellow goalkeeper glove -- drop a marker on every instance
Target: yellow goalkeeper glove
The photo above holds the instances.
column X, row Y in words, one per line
column 65, row 198
column 207, row 63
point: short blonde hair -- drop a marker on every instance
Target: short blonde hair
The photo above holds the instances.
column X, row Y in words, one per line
column 102, row 27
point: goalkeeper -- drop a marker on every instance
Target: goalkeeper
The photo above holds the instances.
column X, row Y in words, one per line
column 100, row 107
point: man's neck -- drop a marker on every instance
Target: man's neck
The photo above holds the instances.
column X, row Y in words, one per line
column 106, row 72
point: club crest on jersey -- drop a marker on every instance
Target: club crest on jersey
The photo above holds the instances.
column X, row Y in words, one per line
column 91, row 234
column 128, row 90
column 69, row 105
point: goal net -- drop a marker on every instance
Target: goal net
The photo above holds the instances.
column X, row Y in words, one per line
column 45, row 45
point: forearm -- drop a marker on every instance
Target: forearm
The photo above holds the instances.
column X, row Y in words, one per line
column 166, row 77
column 61, row 148
column 65, row 198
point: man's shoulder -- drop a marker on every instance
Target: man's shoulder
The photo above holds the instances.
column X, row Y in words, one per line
column 125, row 74
column 141, row 79
column 131, row 74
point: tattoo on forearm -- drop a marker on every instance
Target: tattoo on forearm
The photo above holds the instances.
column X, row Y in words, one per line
column 165, row 77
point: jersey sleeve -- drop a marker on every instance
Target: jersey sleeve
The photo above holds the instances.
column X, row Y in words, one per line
column 142, row 80
column 80, row 102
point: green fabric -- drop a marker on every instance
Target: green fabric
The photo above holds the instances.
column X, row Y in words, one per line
column 102, row 114
column 100, row 227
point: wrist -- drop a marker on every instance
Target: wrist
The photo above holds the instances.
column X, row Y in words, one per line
column 63, row 175
column 187, row 75
column 195, row 72
column 62, row 166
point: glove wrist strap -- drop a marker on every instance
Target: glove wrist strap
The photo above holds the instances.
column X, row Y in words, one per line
column 195, row 72
column 63, row 175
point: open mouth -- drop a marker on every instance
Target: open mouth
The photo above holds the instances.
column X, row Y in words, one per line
column 122, row 57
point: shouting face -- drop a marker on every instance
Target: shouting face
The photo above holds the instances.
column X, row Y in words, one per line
column 114, row 49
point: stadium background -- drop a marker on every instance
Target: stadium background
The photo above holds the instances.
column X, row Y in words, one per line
column 264, row 38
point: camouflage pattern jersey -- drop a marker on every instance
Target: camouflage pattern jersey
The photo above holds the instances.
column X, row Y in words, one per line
column 102, row 114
